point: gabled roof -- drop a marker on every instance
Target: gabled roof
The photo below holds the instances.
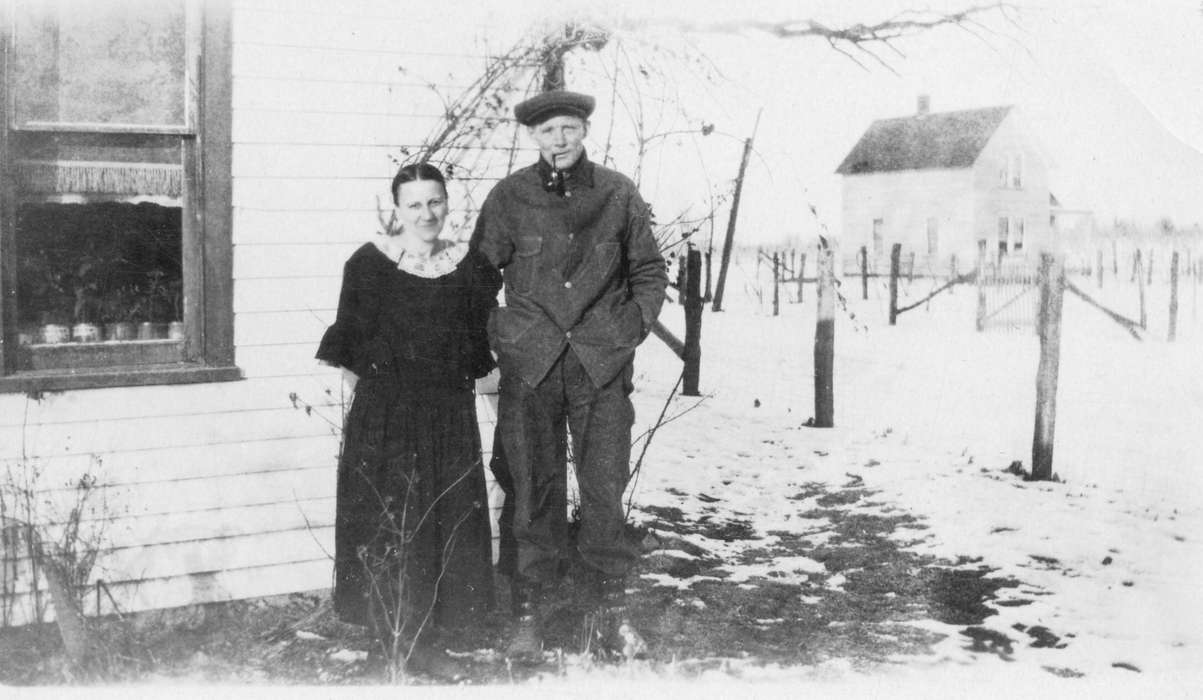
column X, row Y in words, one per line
column 945, row 140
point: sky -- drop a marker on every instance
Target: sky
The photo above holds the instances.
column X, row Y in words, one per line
column 1112, row 91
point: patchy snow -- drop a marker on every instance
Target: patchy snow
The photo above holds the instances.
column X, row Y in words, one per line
column 929, row 415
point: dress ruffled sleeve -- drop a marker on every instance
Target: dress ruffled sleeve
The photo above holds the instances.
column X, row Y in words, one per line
column 343, row 343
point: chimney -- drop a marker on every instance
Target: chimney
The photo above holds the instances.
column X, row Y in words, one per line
column 924, row 105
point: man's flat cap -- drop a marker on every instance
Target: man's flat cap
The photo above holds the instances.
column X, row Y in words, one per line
column 554, row 103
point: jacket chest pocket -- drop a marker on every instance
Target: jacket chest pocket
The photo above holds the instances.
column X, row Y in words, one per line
column 520, row 274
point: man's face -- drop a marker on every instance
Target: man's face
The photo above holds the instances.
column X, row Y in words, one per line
column 561, row 140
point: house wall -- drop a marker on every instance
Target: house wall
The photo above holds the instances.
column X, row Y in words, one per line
column 1030, row 202
column 221, row 491
column 905, row 200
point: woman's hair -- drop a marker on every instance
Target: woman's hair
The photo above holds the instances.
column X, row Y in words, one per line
column 416, row 171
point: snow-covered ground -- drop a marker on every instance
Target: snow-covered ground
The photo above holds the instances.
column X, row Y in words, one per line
column 930, row 413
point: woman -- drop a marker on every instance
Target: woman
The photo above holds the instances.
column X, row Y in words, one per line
column 412, row 539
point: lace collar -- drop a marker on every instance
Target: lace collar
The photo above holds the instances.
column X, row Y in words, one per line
column 442, row 261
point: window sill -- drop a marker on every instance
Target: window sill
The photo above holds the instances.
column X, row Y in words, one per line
column 143, row 375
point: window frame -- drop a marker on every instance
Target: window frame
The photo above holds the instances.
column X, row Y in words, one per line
column 206, row 223
column 1016, row 234
column 1011, row 173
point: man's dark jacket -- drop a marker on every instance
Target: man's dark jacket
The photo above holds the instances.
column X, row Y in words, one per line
column 581, row 269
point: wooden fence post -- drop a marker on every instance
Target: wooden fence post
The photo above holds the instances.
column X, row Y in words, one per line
column 953, row 273
column 910, row 268
column 1114, row 259
column 692, row 295
column 1099, row 268
column 801, row 273
column 1151, row 251
column 895, row 263
column 708, row 296
column 1140, row 285
column 981, row 285
column 1052, row 296
column 864, row 272
column 824, row 354
column 730, row 238
column 776, row 284
column 1173, row 296
column 1137, row 268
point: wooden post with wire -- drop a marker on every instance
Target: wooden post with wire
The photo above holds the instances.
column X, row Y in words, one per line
column 895, row 264
column 801, row 272
column 692, row 301
column 729, row 241
column 981, row 285
column 1140, row 286
column 776, row 284
column 1173, row 296
column 864, row 272
column 824, row 354
column 1052, row 297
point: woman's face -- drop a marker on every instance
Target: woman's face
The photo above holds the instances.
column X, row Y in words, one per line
column 422, row 209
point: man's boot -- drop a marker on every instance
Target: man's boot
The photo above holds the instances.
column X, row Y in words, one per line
column 611, row 621
column 526, row 642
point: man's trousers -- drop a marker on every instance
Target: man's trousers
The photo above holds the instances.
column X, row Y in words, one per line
column 531, row 424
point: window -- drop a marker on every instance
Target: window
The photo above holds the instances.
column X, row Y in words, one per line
column 933, row 236
column 115, row 251
column 1010, row 234
column 879, row 243
column 1010, row 176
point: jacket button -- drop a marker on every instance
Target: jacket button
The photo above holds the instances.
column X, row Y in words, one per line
column 567, row 285
column 568, row 334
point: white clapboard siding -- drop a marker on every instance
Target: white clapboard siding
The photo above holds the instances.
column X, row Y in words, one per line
column 286, row 360
column 286, row 294
column 311, row 193
column 184, row 465
column 386, row 93
column 135, row 538
column 253, row 225
column 103, row 437
column 378, row 162
column 349, row 128
column 166, row 512
column 256, row 261
column 201, row 587
column 82, row 408
column 269, row 160
column 272, row 327
column 257, row 59
column 338, row 28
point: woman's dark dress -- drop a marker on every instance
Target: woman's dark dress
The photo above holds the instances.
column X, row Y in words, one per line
column 411, row 492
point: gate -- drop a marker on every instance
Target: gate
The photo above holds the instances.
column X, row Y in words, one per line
column 1007, row 294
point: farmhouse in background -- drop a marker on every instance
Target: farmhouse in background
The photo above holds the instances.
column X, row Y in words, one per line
column 946, row 184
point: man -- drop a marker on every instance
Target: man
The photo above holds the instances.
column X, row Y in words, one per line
column 584, row 280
